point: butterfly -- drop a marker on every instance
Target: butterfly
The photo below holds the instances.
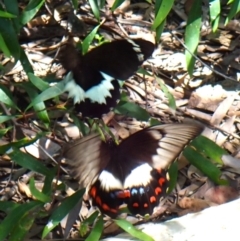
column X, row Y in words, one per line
column 93, row 79
column 133, row 172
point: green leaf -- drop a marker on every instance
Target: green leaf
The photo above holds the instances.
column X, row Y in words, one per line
column 13, row 8
column 116, row 4
column 4, row 47
column 209, row 149
column 7, row 206
column 204, row 165
column 170, row 97
column 17, row 144
column 30, row 11
column 48, row 94
column 162, row 8
column 62, row 210
column 129, row 228
column 29, row 162
column 132, row 110
column 75, row 4
column 159, row 30
column 39, row 107
column 4, row 118
column 4, row 14
column 6, row 97
column 88, row 40
column 95, row 9
column 38, row 82
column 47, row 187
column 80, row 124
column 154, row 122
column 9, row 223
column 23, row 226
column 215, row 10
column 10, row 37
column 5, row 130
column 25, row 62
column 86, row 222
column 173, row 173
column 37, row 194
column 234, row 10
column 96, row 231
column 192, row 34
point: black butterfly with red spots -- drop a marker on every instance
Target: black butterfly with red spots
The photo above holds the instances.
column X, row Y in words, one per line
column 93, row 78
column 133, row 172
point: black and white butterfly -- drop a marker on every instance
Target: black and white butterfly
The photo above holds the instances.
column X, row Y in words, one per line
column 133, row 172
column 93, row 78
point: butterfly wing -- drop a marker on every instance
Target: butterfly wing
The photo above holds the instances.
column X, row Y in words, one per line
column 135, row 172
column 95, row 75
column 95, row 109
column 141, row 162
column 87, row 157
column 119, row 59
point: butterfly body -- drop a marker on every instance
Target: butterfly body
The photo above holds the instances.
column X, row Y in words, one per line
column 95, row 75
column 133, row 172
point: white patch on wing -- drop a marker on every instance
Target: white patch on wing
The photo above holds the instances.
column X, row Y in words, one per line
column 73, row 89
column 109, row 182
column 97, row 93
column 139, row 176
column 161, row 162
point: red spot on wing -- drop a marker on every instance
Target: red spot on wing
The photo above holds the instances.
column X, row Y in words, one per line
column 124, row 194
column 161, row 181
column 106, row 208
column 135, row 205
column 153, row 199
column 93, row 192
column 98, row 201
column 145, row 205
column 158, row 190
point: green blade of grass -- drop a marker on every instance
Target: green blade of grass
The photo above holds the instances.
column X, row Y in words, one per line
column 162, row 8
column 38, row 82
column 10, row 37
column 30, row 10
column 96, row 231
column 129, row 228
column 192, row 34
column 209, row 149
column 22, row 227
column 8, row 224
column 29, row 162
column 95, row 8
column 40, row 196
column 169, row 96
column 215, row 10
column 132, row 110
column 234, row 10
column 88, row 40
column 204, row 165
column 116, row 4
column 6, row 97
column 47, row 94
column 62, row 210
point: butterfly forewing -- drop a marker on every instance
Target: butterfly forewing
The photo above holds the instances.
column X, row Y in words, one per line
column 87, row 156
column 120, row 58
